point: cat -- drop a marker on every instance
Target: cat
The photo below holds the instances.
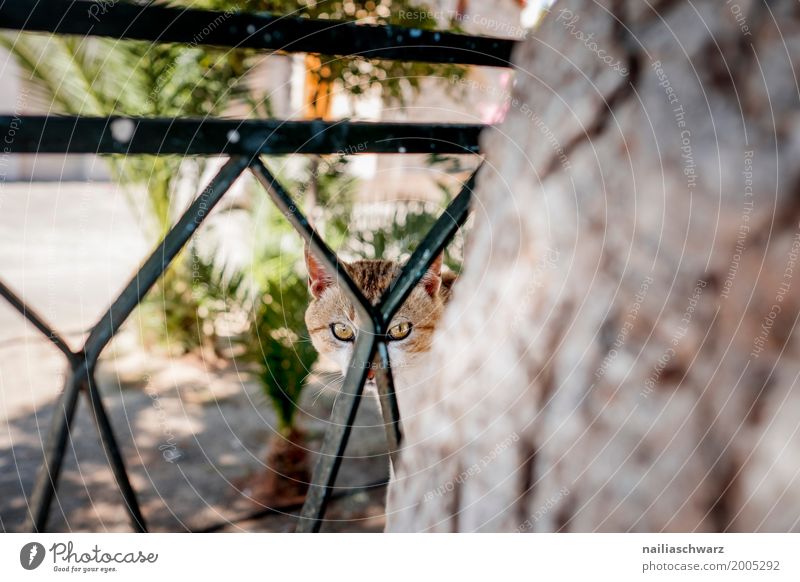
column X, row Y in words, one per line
column 333, row 326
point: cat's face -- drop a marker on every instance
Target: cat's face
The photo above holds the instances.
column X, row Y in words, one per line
column 334, row 326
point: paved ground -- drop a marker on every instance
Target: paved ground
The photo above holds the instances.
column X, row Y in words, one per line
column 68, row 249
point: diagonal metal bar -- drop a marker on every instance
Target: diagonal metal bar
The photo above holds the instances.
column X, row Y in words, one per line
column 253, row 30
column 347, row 402
column 113, row 455
column 390, row 411
column 368, row 314
column 162, row 256
column 37, row 320
column 50, row 470
column 46, row 484
column 337, row 435
column 346, row 407
column 420, row 261
column 80, row 375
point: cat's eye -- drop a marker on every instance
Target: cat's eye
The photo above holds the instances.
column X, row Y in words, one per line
column 342, row 332
column 400, row 331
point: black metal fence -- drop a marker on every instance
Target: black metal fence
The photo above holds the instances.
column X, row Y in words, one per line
column 244, row 141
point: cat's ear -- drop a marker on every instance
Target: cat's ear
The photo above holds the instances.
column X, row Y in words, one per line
column 319, row 278
column 432, row 280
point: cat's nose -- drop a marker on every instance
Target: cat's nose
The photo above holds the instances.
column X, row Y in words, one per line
column 371, row 375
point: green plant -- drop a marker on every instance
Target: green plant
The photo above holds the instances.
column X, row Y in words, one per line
column 279, row 347
column 277, row 342
column 396, row 80
column 399, row 235
column 280, row 352
column 192, row 297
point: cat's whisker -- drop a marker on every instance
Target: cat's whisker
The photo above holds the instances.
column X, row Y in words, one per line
column 319, row 393
column 316, row 396
column 328, row 380
column 335, row 398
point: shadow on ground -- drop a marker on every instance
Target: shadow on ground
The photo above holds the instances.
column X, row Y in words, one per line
column 189, row 434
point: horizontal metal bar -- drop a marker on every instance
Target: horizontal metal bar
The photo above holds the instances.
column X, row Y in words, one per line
column 37, row 320
column 137, row 135
column 162, row 256
column 259, row 31
column 434, row 242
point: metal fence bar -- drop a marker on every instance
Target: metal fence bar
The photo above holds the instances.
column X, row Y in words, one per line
column 294, row 215
column 113, row 455
column 161, row 257
column 337, row 435
column 46, row 482
column 81, row 373
column 258, row 31
column 140, row 135
column 79, row 378
column 346, row 406
column 368, row 343
column 38, row 322
column 390, row 411
column 420, row 261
